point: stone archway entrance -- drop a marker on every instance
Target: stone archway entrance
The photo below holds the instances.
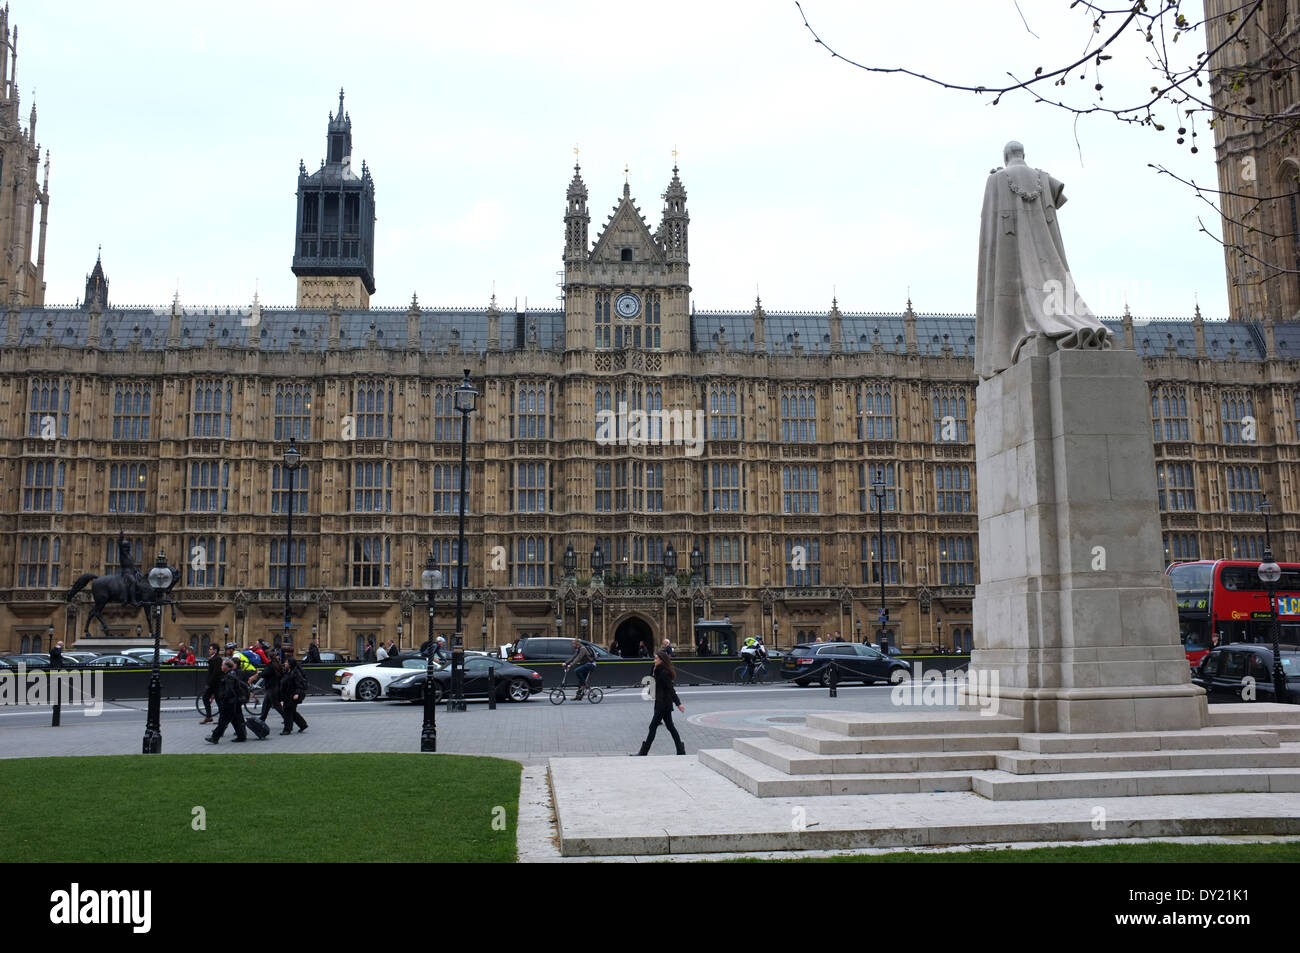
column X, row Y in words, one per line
column 631, row 633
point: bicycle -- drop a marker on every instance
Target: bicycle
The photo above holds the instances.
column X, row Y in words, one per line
column 558, row 696
column 749, row 674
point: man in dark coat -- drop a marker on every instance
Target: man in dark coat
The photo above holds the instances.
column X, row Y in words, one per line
column 270, row 676
column 313, row 653
column 370, row 655
column 230, row 701
column 214, row 679
column 293, row 689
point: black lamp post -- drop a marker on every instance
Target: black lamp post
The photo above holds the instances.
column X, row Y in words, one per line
column 878, row 490
column 857, row 629
column 466, row 400
column 670, row 563
column 399, row 635
column 697, row 563
column 570, row 563
column 559, row 626
column 432, row 580
column 160, row 578
column 292, row 460
column 597, row 565
column 1269, row 573
column 938, row 632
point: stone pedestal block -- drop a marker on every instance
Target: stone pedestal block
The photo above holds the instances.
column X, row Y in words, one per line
column 1073, row 609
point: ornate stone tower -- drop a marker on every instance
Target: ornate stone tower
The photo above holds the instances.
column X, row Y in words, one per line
column 631, row 290
column 334, row 242
column 1253, row 78
column 96, row 287
column 22, row 266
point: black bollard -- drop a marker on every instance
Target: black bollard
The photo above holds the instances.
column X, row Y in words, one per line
column 58, row 699
column 834, row 680
column 492, row 688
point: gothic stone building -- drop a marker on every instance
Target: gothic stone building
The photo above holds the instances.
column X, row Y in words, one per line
column 169, row 426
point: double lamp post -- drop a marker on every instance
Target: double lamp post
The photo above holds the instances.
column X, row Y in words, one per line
column 465, row 402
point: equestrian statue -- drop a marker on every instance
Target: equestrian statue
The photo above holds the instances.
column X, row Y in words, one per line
column 128, row 586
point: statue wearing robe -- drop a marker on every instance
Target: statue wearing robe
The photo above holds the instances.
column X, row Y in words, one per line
column 1025, row 288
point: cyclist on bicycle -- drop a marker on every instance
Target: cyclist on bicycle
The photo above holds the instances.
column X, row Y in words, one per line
column 241, row 661
column 753, row 653
column 583, row 663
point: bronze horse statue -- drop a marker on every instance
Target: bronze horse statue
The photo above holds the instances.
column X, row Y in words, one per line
column 130, row 587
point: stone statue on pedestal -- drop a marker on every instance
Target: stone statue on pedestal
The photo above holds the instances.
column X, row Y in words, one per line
column 1025, row 288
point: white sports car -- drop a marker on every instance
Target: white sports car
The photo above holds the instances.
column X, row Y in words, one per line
column 369, row 681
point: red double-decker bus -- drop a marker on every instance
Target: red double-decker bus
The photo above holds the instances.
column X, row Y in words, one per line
column 1225, row 597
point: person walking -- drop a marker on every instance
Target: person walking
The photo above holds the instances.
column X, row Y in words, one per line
column 665, row 699
column 271, row 677
column 313, row 653
column 381, row 653
column 369, row 655
column 293, row 689
column 667, row 646
column 214, row 679
column 56, row 655
column 230, row 702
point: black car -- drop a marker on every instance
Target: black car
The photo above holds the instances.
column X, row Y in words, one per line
column 813, row 662
column 549, row 649
column 1246, row 670
column 514, row 682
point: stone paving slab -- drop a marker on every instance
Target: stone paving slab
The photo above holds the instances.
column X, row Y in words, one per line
column 674, row 805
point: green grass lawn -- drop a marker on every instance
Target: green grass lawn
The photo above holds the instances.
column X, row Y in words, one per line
column 283, row 807
column 1153, row 853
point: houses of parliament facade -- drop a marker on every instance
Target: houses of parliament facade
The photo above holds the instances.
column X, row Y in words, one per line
column 168, row 428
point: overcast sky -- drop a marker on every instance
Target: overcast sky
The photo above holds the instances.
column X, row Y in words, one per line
column 175, row 131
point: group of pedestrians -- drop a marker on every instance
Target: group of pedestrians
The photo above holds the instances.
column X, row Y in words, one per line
column 230, row 680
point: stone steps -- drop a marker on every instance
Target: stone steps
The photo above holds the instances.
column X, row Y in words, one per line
column 821, row 741
column 794, row 760
column 1257, row 714
column 1000, row 786
column 1023, row 762
column 763, row 780
column 1150, row 740
column 914, row 723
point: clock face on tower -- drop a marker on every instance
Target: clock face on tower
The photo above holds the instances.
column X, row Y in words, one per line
column 627, row 305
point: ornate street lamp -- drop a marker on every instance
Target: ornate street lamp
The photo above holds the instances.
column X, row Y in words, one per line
column 1269, row 573
column 878, row 489
column 466, row 400
column 559, row 626
column 160, row 579
column 697, row 564
column 597, row 566
column 670, row 563
column 432, row 580
column 292, row 460
column 570, row 563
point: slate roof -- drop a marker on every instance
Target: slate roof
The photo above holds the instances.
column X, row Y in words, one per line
column 120, row 328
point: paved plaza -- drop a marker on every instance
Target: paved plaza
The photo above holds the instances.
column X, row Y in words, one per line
column 531, row 732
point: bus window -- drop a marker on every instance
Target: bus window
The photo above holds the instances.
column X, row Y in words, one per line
column 1194, row 634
